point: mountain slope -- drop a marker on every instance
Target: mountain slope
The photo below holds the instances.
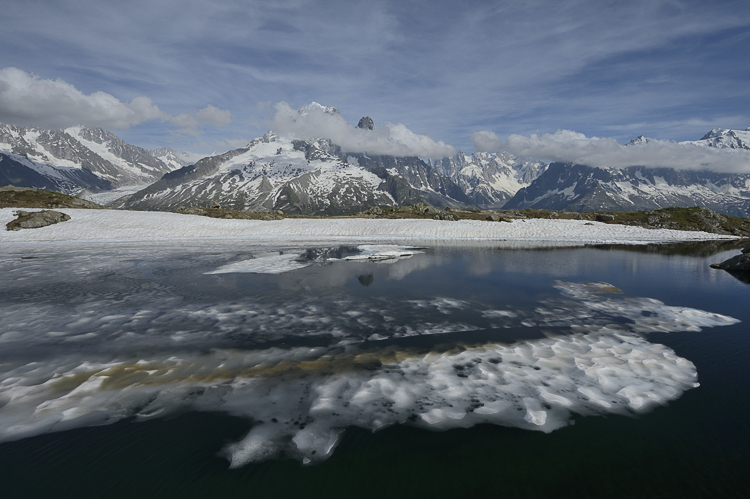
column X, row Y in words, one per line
column 724, row 138
column 489, row 180
column 269, row 174
column 74, row 159
column 571, row 187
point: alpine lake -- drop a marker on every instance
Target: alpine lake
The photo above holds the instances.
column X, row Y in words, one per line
column 449, row 370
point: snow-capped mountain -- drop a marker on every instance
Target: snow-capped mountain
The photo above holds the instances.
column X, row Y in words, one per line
column 296, row 176
column 175, row 159
column 724, row 138
column 489, row 180
column 571, row 187
column 74, row 159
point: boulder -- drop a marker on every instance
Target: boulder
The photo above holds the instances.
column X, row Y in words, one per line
column 446, row 216
column 605, row 218
column 739, row 263
column 494, row 217
column 36, row 219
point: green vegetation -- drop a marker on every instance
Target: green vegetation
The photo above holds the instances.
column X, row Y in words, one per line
column 24, row 197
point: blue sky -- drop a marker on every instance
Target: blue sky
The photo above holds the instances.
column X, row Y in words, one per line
column 206, row 75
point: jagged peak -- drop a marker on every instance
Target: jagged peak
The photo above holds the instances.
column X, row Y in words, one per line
column 641, row 139
column 366, row 123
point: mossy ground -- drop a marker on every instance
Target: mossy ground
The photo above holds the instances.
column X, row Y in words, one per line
column 18, row 197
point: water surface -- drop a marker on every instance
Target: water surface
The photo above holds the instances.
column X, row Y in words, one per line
column 458, row 370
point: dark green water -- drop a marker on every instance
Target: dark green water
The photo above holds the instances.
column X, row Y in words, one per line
column 695, row 445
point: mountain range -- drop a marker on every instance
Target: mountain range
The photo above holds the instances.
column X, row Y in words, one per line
column 318, row 177
column 79, row 158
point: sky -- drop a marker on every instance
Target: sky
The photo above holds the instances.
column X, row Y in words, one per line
column 206, row 76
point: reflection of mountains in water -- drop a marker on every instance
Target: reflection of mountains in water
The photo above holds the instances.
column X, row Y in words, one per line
column 698, row 249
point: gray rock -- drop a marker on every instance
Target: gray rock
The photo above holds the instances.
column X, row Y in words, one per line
column 446, row 216
column 494, row 217
column 36, row 219
column 605, row 218
column 366, row 123
column 739, row 263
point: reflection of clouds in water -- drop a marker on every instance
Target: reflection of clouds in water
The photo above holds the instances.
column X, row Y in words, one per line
column 154, row 317
column 301, row 399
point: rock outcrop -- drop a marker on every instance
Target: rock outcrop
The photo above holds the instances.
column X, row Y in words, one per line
column 739, row 263
column 36, row 219
column 366, row 123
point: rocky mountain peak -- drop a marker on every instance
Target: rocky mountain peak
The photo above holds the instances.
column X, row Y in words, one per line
column 639, row 140
column 366, row 123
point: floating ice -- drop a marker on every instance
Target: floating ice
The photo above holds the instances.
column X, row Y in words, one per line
column 382, row 253
column 271, row 264
column 299, row 400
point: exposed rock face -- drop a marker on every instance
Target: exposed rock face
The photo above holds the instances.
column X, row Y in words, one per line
column 366, row 123
column 36, row 219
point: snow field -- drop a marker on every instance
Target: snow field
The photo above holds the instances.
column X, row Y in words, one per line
column 120, row 226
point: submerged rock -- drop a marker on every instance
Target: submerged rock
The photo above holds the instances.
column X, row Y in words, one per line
column 36, row 219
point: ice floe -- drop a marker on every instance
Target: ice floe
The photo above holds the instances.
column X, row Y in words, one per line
column 287, row 262
column 269, row 264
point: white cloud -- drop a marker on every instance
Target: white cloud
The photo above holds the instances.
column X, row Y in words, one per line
column 214, row 115
column 572, row 147
column 396, row 140
column 28, row 100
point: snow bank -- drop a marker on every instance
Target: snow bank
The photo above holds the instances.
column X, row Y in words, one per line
column 120, row 226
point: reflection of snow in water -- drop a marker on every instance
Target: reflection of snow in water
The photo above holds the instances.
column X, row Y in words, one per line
column 280, row 263
column 269, row 264
column 301, row 399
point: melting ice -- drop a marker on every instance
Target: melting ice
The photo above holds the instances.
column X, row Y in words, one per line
column 301, row 399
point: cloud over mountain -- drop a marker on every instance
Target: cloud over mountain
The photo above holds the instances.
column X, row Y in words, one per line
column 28, row 100
column 568, row 146
column 320, row 122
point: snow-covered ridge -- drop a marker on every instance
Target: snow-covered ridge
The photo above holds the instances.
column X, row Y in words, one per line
column 76, row 154
column 724, row 138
